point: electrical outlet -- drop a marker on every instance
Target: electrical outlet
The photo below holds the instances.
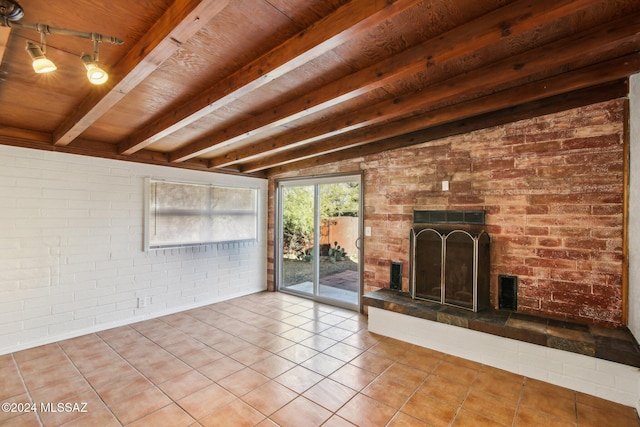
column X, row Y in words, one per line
column 367, row 231
column 445, row 185
column 143, row 302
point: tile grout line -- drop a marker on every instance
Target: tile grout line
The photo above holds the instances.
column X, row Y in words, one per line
column 399, row 410
column 325, row 377
column 230, row 356
column 133, row 367
column 91, row 385
column 463, row 401
column 193, row 368
column 26, row 388
column 87, row 381
column 515, row 417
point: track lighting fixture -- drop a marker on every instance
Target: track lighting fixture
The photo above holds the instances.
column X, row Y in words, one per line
column 40, row 62
column 10, row 15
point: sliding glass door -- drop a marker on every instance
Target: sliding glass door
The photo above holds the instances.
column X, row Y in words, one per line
column 320, row 238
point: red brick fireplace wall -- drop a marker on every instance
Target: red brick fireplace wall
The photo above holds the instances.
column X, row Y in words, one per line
column 552, row 188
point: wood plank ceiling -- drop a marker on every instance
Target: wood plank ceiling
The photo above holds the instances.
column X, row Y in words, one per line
column 264, row 86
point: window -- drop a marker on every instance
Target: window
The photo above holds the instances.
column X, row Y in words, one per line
column 182, row 214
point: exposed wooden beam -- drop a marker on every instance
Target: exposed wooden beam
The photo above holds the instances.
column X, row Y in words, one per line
column 555, row 56
column 571, row 90
column 508, row 21
column 181, row 20
column 337, row 28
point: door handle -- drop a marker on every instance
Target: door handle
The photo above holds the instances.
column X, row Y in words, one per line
column 358, row 240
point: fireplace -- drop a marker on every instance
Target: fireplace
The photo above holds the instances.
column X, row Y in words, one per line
column 450, row 264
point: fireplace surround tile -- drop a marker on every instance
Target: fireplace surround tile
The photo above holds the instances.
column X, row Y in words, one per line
column 615, row 345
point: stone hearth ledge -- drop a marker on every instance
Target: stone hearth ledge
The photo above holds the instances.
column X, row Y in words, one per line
column 615, row 345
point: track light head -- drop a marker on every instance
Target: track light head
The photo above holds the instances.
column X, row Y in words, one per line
column 41, row 64
column 95, row 74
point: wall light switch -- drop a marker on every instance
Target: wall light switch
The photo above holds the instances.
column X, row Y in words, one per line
column 367, row 231
column 445, row 185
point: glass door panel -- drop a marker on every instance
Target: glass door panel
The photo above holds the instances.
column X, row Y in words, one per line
column 298, row 243
column 339, row 271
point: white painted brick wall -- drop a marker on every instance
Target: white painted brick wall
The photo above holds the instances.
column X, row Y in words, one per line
column 71, row 258
column 601, row 378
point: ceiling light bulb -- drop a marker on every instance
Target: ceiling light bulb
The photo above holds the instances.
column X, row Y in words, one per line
column 40, row 62
column 43, row 65
column 95, row 74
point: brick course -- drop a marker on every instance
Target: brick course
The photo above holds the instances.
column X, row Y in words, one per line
column 552, row 188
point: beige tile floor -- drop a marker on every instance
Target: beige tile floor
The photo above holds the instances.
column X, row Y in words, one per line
column 274, row 359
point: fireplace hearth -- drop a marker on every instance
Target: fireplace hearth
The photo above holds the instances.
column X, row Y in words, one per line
column 616, row 345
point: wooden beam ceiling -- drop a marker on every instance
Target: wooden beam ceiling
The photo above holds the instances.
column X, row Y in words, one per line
column 508, row 21
column 523, row 111
column 347, row 147
column 326, row 34
column 548, row 59
column 266, row 86
column 505, row 22
column 180, row 22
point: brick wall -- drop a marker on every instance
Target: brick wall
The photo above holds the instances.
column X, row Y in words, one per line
column 552, row 188
column 71, row 258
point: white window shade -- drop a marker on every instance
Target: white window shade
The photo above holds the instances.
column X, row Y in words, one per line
column 181, row 214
